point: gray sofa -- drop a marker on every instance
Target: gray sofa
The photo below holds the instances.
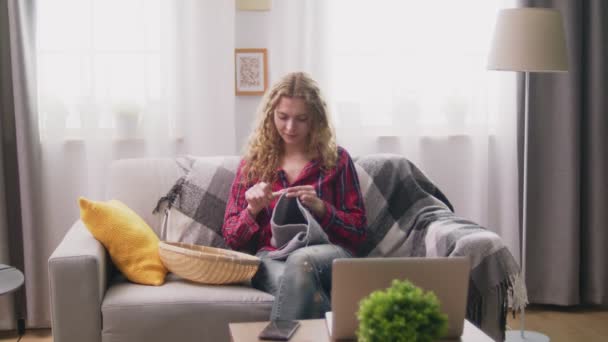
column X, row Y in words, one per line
column 91, row 300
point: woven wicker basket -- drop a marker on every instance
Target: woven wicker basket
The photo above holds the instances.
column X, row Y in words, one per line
column 207, row 265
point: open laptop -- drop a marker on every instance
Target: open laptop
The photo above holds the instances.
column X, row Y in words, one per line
column 354, row 279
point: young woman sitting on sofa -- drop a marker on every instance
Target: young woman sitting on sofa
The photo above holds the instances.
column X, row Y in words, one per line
column 293, row 151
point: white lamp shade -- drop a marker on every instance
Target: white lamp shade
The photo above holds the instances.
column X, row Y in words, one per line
column 529, row 39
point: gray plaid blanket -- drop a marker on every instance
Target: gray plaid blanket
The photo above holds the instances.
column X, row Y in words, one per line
column 193, row 209
column 408, row 216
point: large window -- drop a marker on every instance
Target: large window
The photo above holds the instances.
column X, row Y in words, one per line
column 411, row 67
column 101, row 67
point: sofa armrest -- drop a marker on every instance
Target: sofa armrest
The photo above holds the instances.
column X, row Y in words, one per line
column 78, row 277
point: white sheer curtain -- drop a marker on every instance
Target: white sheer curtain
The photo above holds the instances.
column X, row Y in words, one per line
column 124, row 79
column 106, row 69
column 410, row 77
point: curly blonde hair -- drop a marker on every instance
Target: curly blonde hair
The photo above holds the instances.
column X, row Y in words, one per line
column 266, row 148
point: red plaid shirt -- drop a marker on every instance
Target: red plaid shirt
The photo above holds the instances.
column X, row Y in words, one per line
column 344, row 220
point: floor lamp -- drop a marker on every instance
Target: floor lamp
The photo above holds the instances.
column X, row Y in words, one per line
column 528, row 40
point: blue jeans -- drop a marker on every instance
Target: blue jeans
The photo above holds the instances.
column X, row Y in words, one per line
column 301, row 285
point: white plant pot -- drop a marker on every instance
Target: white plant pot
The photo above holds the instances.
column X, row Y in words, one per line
column 126, row 125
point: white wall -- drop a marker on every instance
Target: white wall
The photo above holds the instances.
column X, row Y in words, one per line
column 252, row 30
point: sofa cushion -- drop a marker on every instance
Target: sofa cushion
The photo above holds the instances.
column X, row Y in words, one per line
column 131, row 243
column 139, row 183
column 179, row 310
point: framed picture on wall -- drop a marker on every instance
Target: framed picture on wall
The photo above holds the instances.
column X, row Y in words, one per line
column 251, row 71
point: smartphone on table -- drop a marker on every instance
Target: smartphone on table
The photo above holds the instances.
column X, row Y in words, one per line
column 279, row 330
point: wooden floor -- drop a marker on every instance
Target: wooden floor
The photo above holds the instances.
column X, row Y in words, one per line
column 561, row 325
column 566, row 324
column 33, row 335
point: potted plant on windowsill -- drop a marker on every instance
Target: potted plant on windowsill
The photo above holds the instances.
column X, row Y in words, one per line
column 403, row 312
column 55, row 113
column 126, row 119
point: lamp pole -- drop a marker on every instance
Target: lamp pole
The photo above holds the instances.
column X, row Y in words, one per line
column 524, row 335
column 525, row 198
column 528, row 40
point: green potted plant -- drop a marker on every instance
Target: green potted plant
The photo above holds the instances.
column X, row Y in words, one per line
column 403, row 312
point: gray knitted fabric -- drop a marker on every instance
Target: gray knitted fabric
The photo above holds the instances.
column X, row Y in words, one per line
column 293, row 227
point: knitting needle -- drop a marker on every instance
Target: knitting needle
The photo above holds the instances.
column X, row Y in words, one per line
column 278, row 193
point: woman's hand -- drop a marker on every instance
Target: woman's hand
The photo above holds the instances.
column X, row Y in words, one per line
column 308, row 197
column 258, row 197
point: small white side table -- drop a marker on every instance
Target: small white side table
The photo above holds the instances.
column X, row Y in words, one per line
column 11, row 279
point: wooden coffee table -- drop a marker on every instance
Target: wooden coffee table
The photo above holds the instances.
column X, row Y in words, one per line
column 315, row 330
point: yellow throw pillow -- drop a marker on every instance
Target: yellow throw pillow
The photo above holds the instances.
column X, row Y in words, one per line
column 132, row 244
